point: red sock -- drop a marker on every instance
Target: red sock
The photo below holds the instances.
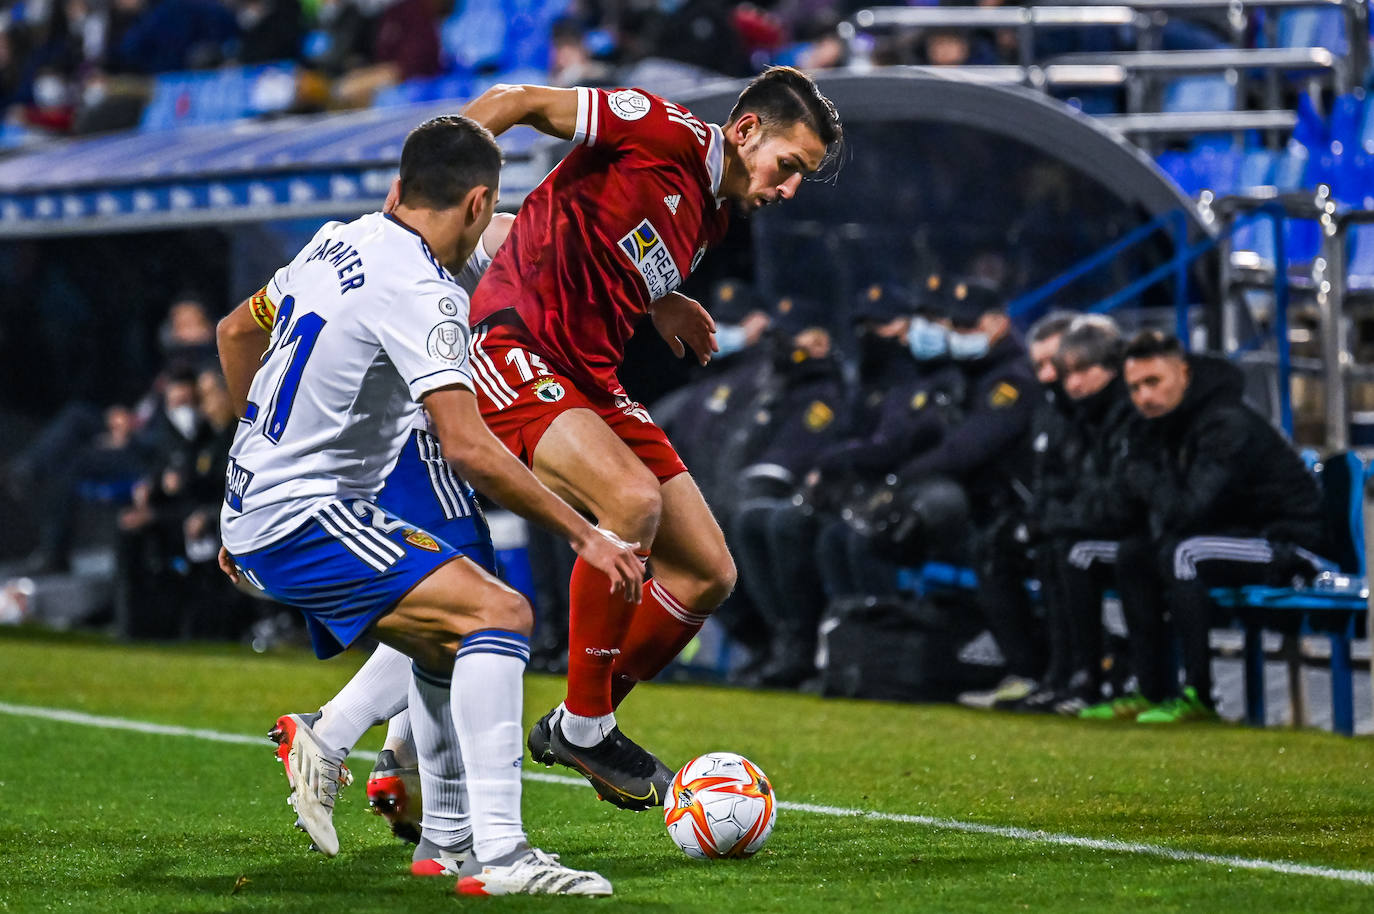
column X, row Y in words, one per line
column 597, row 622
column 661, row 628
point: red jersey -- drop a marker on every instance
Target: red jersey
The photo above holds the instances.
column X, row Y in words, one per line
column 621, row 221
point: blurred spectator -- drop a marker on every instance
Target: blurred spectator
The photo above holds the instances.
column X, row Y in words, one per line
column 82, row 447
column 187, row 334
column 795, row 413
column 570, row 60
column 987, row 453
column 1080, row 512
column 1052, row 478
column 405, row 45
column 269, row 30
column 176, row 35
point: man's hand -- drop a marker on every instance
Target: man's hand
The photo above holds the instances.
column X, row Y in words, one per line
column 679, row 319
column 228, row 566
column 616, row 559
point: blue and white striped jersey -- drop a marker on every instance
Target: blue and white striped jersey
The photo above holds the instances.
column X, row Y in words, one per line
column 366, row 323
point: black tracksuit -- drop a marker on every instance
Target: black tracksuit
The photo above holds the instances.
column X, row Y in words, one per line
column 1228, row 502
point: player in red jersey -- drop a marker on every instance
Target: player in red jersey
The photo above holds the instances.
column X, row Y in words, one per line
column 605, row 239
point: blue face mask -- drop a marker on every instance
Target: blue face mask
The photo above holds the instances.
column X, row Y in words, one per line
column 968, row 346
column 730, row 338
column 926, row 339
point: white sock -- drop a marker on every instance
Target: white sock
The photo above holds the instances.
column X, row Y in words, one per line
column 445, row 820
column 400, row 741
column 486, row 702
column 374, row 694
column 585, row 731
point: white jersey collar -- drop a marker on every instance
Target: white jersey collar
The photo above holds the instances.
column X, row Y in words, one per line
column 715, row 161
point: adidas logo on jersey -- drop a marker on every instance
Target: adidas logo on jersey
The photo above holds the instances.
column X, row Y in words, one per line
column 672, row 200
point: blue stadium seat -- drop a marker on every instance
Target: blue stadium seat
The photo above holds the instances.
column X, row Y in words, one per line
column 1336, row 604
column 1199, row 93
column 474, row 38
column 1360, row 269
column 218, row 96
column 529, row 28
column 1312, row 28
column 425, row 89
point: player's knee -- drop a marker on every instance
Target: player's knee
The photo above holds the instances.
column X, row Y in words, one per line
column 508, row 610
column 722, row 580
column 639, row 505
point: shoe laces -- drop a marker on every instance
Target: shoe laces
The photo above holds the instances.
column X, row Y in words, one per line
column 619, row 751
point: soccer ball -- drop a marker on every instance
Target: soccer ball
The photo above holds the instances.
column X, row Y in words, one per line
column 720, row 805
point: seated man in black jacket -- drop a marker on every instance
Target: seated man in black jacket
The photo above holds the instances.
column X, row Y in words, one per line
column 1229, row 503
column 1081, row 512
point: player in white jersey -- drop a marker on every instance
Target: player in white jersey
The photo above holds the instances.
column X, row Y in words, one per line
column 369, row 322
column 422, row 488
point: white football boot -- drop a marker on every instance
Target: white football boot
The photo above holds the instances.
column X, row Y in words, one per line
column 528, row 871
column 315, row 779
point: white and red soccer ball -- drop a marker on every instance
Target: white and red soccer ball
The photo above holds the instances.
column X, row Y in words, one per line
column 720, row 805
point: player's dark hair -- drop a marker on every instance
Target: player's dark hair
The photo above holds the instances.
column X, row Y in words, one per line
column 1092, row 339
column 1149, row 344
column 783, row 96
column 444, row 158
column 1052, row 324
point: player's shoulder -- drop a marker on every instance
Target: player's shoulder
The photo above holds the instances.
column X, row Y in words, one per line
column 673, row 125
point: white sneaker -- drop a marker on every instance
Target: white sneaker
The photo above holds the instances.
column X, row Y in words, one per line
column 1011, row 688
column 314, row 778
column 528, row 871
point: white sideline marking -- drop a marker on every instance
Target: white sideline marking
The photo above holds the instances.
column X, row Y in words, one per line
column 1361, row 877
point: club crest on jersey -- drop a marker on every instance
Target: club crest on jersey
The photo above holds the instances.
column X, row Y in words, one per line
column 651, row 258
column 422, row 540
column 448, row 340
column 628, row 105
column 548, row 390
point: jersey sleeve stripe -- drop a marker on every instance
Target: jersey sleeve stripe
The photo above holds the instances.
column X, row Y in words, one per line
column 585, row 104
column 593, row 115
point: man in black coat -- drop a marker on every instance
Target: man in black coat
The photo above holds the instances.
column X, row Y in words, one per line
column 1080, row 512
column 1229, row 503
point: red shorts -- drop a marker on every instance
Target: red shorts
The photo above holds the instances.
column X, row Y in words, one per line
column 520, row 395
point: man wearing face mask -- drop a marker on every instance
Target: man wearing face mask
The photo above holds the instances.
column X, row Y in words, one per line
column 912, row 392
column 988, row 453
column 1081, row 512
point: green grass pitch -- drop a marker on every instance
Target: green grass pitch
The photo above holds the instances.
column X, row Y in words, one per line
column 111, row 821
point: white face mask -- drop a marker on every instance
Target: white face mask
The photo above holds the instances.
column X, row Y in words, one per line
column 183, row 419
column 968, row 346
column 49, row 91
column 730, row 338
column 927, row 339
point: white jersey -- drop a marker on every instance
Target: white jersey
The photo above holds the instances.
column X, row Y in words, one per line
column 366, row 323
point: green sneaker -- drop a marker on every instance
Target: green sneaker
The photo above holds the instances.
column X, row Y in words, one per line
column 1178, row 710
column 1127, row 707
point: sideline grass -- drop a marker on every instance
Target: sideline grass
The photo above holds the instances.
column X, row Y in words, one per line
column 117, row 821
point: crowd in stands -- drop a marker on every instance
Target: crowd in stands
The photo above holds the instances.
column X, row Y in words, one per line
column 84, row 65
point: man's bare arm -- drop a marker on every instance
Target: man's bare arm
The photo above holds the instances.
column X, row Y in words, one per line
column 241, row 344
column 546, row 109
